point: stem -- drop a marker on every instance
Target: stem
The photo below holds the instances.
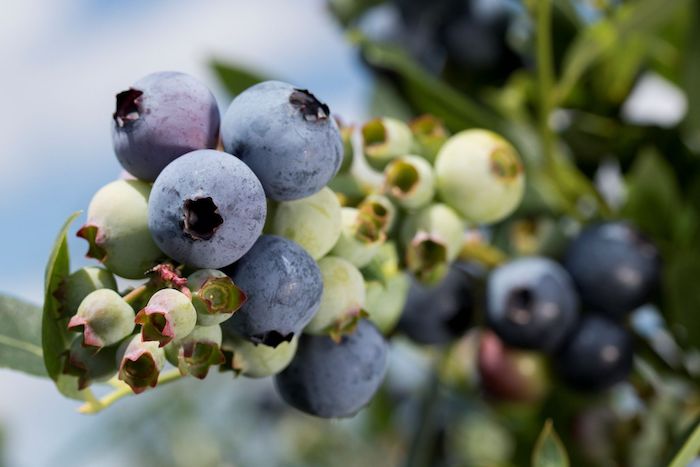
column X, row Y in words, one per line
column 132, row 296
column 545, row 79
column 122, row 390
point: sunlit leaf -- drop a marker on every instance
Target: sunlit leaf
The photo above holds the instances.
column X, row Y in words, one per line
column 549, row 450
column 20, row 336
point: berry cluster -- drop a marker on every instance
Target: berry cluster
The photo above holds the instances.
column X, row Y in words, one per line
column 297, row 248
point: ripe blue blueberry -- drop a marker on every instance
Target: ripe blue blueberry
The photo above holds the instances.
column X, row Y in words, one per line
column 596, row 356
column 614, row 267
column 206, row 209
column 283, row 285
column 440, row 313
column 161, row 117
column 531, row 303
column 329, row 379
column 286, row 136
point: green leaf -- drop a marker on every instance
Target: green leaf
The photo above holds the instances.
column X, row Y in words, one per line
column 654, row 200
column 20, row 336
column 691, row 78
column 549, row 450
column 55, row 338
column 689, row 451
column 235, row 79
column 682, row 295
column 639, row 18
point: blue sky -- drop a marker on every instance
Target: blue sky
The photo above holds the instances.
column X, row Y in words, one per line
column 63, row 61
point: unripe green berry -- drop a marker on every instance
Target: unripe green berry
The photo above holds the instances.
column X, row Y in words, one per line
column 409, row 181
column 359, row 239
column 432, row 238
column 117, row 229
column 342, row 299
column 257, row 360
column 79, row 284
column 384, row 139
column 480, row 175
column 89, row 363
column 381, row 209
column 197, row 352
column 312, row 222
column 140, row 363
column 169, row 315
column 104, row 318
column 214, row 296
column 429, row 134
column 348, row 150
column 386, row 299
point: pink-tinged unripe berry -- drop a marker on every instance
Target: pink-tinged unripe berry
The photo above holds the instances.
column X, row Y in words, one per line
column 214, row 296
column 140, row 363
column 104, row 318
column 79, row 284
column 197, row 352
column 169, row 315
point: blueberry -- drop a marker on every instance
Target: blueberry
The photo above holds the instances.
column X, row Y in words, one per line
column 531, row 303
column 286, row 136
column 117, row 229
column 161, row 117
column 104, row 318
column 214, row 296
column 598, row 355
column 329, row 379
column 614, row 267
column 169, row 315
column 206, row 209
column 140, row 363
column 89, row 363
column 409, row 181
column 440, row 313
column 257, row 360
column 197, row 352
column 284, row 286
column 384, row 139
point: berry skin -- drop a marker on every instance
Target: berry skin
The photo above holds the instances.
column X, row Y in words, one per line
column 206, row 209
column 480, row 175
column 386, row 288
column 312, row 222
column 596, row 356
column 531, row 303
column 104, row 318
column 117, row 229
column 256, row 360
column 140, row 363
column 342, row 299
column 329, row 379
column 286, row 136
column 381, row 210
column 614, row 267
column 409, row 181
column 440, row 313
column 284, row 286
column 196, row 352
column 432, row 237
column 79, row 284
column 169, row 315
column 89, row 363
column 429, row 134
column 161, row 117
column 383, row 139
column 214, row 296
column 360, row 238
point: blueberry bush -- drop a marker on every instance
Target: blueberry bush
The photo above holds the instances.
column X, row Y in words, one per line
column 515, row 224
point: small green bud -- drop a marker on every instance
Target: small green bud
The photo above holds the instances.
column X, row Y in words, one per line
column 384, row 139
column 104, row 318
column 360, row 237
column 312, row 222
column 140, row 363
column 480, row 175
column 89, row 363
column 432, row 238
column 79, row 284
column 409, row 181
column 117, row 229
column 257, row 360
column 197, row 352
column 169, row 315
column 429, row 134
column 214, row 296
column 342, row 299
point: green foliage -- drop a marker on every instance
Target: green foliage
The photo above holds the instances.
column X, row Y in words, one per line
column 20, row 336
column 549, row 450
column 234, row 78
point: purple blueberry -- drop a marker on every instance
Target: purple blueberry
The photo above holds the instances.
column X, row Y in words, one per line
column 531, row 303
column 329, row 379
column 206, row 209
column 614, row 267
column 286, row 136
column 440, row 313
column 161, row 117
column 598, row 355
column 283, row 284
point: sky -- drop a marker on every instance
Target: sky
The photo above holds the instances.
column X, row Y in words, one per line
column 63, row 61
